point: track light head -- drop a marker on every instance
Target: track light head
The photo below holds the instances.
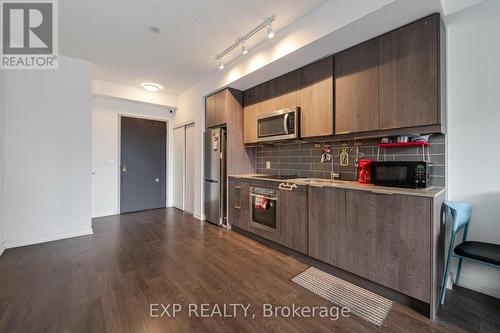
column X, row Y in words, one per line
column 221, row 64
column 244, row 48
column 270, row 33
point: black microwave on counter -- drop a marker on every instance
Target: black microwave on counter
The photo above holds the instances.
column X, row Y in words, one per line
column 401, row 174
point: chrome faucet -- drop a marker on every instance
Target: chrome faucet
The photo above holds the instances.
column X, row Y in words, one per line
column 334, row 175
column 327, row 156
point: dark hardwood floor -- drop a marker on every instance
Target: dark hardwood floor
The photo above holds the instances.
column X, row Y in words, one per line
column 470, row 310
column 106, row 282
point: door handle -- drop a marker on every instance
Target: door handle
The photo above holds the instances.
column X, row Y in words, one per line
column 124, row 168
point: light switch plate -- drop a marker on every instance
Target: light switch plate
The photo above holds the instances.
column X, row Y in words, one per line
column 268, row 164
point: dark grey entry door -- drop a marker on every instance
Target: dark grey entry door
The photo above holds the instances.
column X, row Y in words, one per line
column 143, row 164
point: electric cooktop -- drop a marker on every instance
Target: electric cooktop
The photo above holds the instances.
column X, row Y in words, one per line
column 281, row 177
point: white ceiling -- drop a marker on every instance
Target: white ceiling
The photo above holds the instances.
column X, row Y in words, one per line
column 114, row 35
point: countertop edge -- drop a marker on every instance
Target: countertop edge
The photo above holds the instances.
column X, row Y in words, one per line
column 430, row 192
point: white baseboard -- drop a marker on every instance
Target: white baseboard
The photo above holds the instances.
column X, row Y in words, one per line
column 47, row 238
column 104, row 214
column 450, row 279
column 481, row 286
column 198, row 217
column 2, row 248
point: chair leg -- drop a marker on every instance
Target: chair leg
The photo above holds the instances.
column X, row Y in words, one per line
column 446, row 269
column 459, row 269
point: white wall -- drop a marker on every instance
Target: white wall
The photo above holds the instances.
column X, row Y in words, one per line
column 47, row 153
column 105, row 149
column 474, row 121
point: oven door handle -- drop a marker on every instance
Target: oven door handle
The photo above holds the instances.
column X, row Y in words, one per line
column 263, row 196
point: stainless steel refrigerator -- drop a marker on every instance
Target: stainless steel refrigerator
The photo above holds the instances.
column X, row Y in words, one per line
column 214, row 180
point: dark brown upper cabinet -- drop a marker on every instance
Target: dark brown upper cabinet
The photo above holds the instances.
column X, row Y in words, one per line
column 216, row 108
column 286, row 91
column 310, row 88
column 210, row 111
column 226, row 108
column 409, row 75
column 277, row 94
column 316, row 99
column 392, row 83
column 356, row 88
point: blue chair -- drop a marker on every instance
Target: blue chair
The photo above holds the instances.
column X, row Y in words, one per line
column 480, row 252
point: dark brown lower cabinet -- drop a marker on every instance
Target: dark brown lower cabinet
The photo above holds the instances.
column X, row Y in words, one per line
column 394, row 240
column 327, row 225
column 388, row 240
column 293, row 218
column 238, row 203
column 292, row 214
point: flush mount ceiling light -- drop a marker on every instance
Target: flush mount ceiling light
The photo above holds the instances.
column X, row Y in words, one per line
column 151, row 87
column 242, row 40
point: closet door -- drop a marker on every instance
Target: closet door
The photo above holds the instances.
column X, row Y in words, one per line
column 189, row 173
column 179, row 162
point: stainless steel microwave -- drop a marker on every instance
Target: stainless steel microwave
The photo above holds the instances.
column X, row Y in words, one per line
column 401, row 174
column 278, row 125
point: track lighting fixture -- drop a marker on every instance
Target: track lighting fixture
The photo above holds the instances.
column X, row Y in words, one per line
column 242, row 40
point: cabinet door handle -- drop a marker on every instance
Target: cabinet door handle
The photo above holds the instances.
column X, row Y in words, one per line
column 287, row 187
column 382, row 192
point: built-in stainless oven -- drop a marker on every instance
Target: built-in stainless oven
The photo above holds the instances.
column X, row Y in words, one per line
column 264, row 209
column 278, row 125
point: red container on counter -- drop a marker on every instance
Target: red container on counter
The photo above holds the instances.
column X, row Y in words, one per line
column 364, row 171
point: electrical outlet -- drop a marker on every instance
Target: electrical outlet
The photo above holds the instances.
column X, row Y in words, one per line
column 268, row 164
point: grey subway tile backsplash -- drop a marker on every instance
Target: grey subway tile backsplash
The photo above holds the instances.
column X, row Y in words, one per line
column 304, row 159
